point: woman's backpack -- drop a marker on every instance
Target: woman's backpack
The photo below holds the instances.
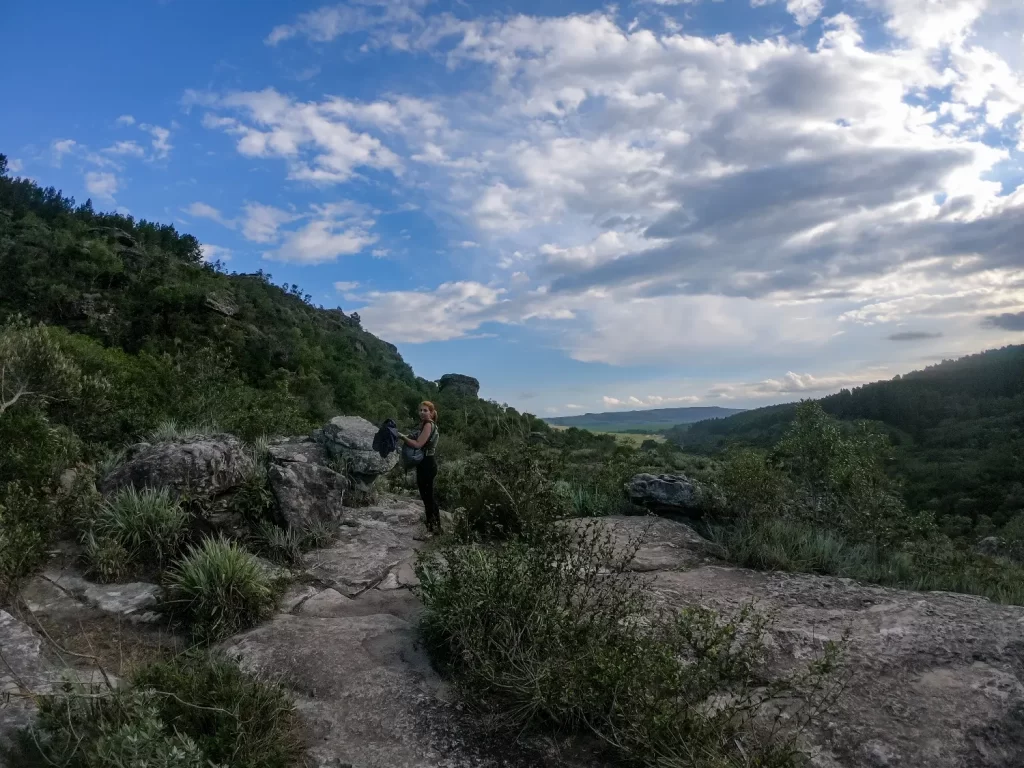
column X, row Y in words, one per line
column 411, row 457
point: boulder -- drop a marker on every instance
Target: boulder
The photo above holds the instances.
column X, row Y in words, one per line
column 349, row 442
column 666, row 493
column 307, row 491
column 200, row 468
column 459, row 384
column 936, row 679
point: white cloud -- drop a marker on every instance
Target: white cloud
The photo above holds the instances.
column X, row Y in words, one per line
column 102, row 185
column 804, row 12
column 212, row 253
column 345, row 286
column 128, row 148
column 380, row 253
column 795, row 384
column 261, row 223
column 450, row 312
column 317, row 140
column 204, row 211
column 330, row 231
column 14, row 165
column 573, row 407
column 62, row 147
column 160, row 140
column 611, row 402
column 125, row 120
column 330, row 22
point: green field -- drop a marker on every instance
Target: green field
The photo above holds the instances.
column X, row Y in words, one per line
column 626, row 438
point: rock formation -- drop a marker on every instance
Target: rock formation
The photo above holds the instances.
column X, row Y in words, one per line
column 305, row 487
column 203, row 468
column 459, row 384
column 349, row 442
column 676, row 494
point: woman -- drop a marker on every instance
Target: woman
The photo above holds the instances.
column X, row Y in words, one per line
column 426, row 470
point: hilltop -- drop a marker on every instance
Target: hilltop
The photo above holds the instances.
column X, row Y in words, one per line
column 641, row 421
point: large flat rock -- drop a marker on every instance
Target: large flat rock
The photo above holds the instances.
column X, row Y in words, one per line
column 936, row 679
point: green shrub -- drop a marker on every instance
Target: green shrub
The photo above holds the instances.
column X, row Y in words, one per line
column 234, row 717
column 283, row 546
column 106, row 559
column 148, row 525
column 551, row 628
column 503, row 492
column 254, row 500
column 190, row 712
column 26, row 525
column 219, row 589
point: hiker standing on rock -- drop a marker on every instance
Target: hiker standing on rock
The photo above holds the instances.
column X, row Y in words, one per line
column 425, row 439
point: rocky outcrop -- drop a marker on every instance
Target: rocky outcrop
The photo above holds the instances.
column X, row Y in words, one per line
column 674, row 494
column 307, row 491
column 936, row 679
column 349, row 442
column 201, row 468
column 459, row 384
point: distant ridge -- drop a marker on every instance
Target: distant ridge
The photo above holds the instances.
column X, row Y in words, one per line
column 649, row 420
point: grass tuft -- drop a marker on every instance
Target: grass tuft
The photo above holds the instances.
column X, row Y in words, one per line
column 219, row 588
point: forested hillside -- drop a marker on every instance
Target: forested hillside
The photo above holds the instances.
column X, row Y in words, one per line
column 651, row 420
column 958, row 430
column 176, row 338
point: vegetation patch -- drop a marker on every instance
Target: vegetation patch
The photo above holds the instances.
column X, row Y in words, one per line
column 190, row 712
column 550, row 629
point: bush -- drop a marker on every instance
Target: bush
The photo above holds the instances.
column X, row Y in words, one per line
column 219, row 589
column 254, row 500
column 26, row 523
column 148, row 526
column 503, row 492
column 191, row 712
column 234, row 717
column 550, row 628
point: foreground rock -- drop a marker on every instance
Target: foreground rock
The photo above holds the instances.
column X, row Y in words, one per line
column 937, row 679
column 349, row 442
column 204, row 468
column 676, row 494
column 24, row 671
column 306, row 489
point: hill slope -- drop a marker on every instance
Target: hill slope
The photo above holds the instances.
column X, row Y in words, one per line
column 648, row 421
column 179, row 338
column 958, row 426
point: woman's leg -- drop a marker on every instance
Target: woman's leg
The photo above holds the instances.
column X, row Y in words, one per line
column 426, row 471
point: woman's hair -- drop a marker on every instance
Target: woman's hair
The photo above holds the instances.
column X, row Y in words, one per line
column 430, row 407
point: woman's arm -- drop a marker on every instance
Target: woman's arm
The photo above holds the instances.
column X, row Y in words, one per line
column 422, row 439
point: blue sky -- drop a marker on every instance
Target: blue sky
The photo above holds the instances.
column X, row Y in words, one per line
column 588, row 207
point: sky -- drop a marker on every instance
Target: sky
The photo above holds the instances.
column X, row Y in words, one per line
column 587, row 207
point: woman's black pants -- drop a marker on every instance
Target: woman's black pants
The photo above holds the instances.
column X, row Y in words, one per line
column 426, row 471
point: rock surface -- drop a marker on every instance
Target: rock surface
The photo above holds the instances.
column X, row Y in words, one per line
column 665, row 493
column 204, row 468
column 66, row 593
column 937, row 679
column 24, row 670
column 459, row 384
column 306, row 489
column 349, row 441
